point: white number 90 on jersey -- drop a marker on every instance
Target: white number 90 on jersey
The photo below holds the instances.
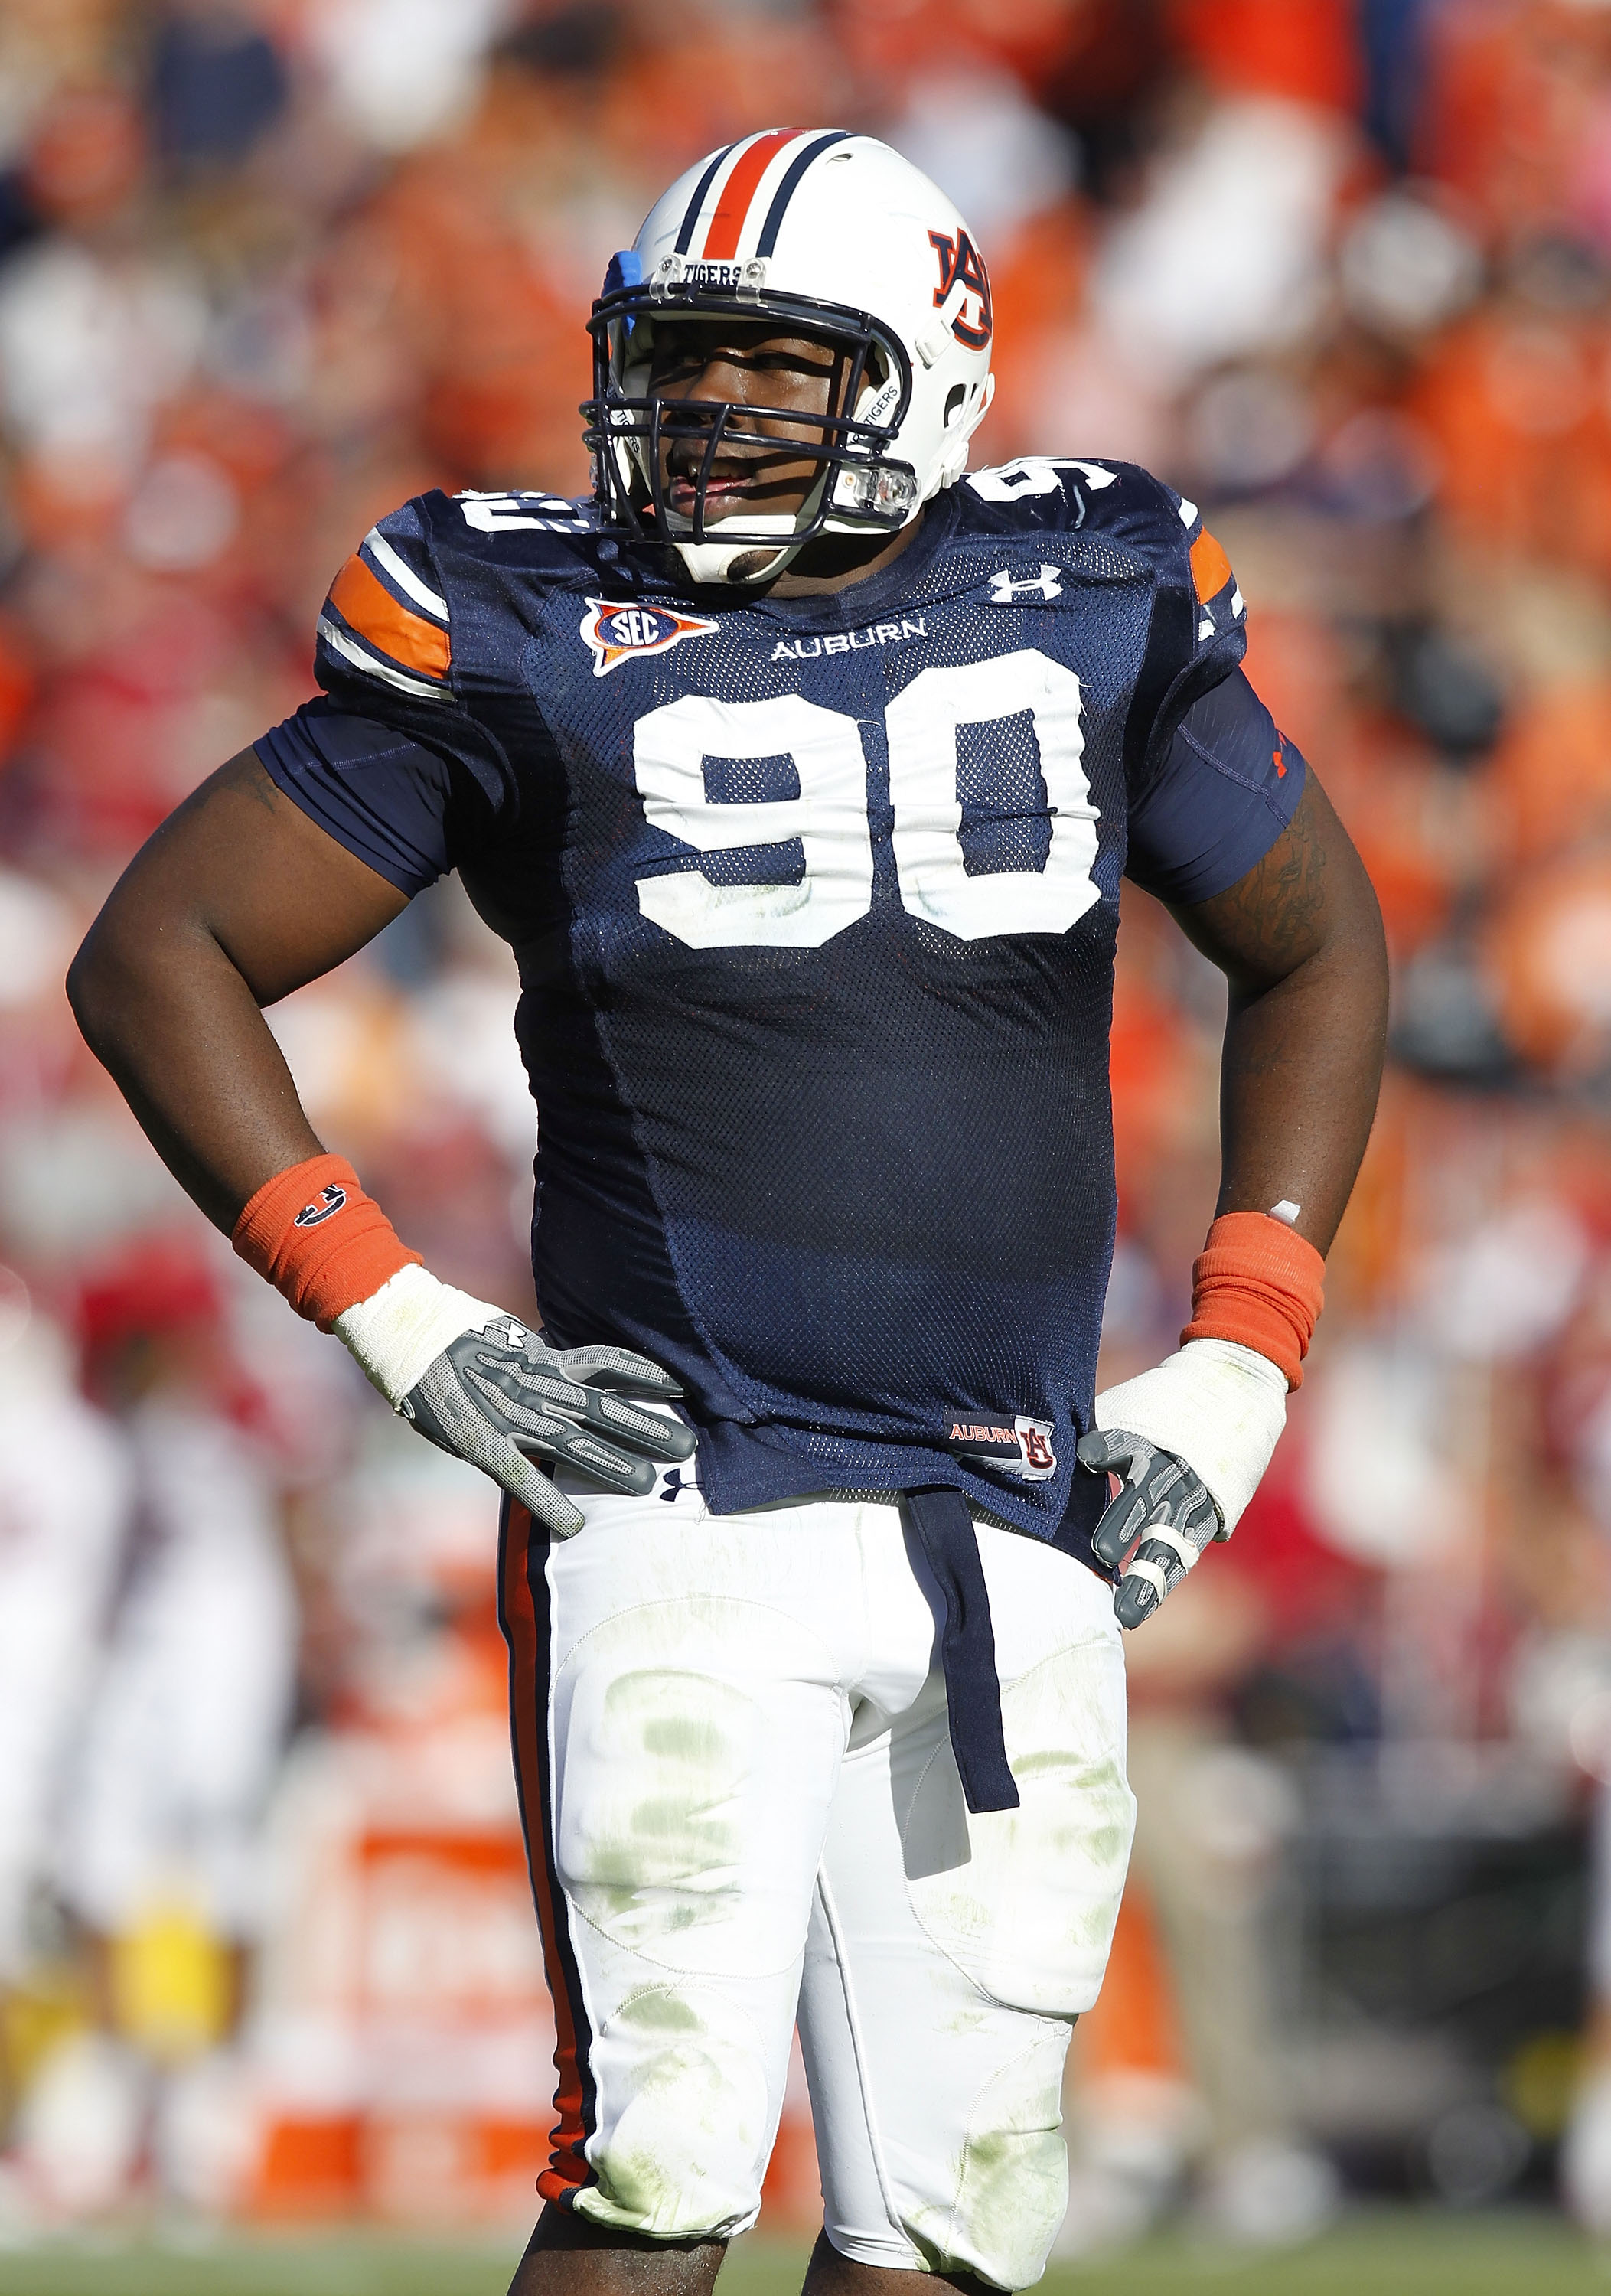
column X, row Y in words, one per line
column 829, row 818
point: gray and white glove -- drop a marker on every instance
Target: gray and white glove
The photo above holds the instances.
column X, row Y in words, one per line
column 1163, row 1513
column 1192, row 1440
column 478, row 1383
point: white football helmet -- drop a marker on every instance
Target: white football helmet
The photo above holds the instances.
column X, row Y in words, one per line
column 835, row 236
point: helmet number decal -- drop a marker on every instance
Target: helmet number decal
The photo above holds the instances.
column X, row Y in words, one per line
column 820, row 839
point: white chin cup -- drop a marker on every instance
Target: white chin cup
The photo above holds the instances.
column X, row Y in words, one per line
column 717, row 561
column 713, row 561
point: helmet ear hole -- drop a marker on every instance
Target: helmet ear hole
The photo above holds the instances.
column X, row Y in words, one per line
column 954, row 398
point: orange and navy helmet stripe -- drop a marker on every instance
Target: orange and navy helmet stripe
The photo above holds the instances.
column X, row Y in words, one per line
column 735, row 215
column 732, row 208
column 786, row 190
column 685, row 237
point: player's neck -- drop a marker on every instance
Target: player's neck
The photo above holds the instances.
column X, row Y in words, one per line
column 837, row 562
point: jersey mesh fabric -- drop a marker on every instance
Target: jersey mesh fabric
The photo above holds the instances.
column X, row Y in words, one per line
column 858, row 1196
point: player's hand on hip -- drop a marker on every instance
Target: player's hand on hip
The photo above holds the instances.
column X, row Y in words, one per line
column 477, row 1382
column 1191, row 1441
column 1158, row 1525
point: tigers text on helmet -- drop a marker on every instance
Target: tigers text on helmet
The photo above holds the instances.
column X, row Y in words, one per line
column 825, row 234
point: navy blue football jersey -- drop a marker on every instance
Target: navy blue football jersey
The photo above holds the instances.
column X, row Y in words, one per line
column 814, row 903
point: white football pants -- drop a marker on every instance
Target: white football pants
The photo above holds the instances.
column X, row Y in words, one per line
column 742, row 1807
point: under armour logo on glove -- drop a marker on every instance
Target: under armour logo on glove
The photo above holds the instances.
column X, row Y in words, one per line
column 1161, row 1520
column 500, row 1396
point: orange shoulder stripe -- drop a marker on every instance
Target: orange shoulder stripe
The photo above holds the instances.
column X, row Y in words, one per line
column 1210, row 566
column 368, row 607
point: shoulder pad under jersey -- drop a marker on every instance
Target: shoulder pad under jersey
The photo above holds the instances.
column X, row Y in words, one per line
column 541, row 538
column 1067, row 493
column 1064, row 493
column 385, row 624
column 1127, row 503
column 1198, row 628
column 521, row 511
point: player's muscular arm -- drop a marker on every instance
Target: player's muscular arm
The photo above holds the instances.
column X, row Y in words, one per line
column 1300, row 941
column 239, row 899
column 236, row 900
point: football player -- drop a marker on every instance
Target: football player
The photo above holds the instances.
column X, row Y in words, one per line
column 800, row 768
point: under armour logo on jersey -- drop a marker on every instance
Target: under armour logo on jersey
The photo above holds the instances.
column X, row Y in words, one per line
column 1005, row 587
column 617, row 633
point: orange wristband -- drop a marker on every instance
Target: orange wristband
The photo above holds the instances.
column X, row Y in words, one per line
column 1257, row 1282
column 319, row 1239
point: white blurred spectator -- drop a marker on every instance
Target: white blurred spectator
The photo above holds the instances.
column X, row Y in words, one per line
column 1226, row 253
column 78, row 1176
column 184, row 513
column 37, row 935
column 88, row 349
column 987, row 148
column 1380, row 465
column 65, row 1499
column 1380, row 1487
column 400, row 71
column 462, row 1052
column 187, row 1726
column 1406, row 266
column 1508, row 1288
column 1249, row 427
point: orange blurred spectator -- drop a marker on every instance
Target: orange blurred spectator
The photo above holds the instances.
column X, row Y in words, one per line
column 1549, row 950
column 1268, row 47
column 86, row 156
column 1551, row 772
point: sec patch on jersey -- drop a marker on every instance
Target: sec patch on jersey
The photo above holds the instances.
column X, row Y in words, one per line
column 617, row 633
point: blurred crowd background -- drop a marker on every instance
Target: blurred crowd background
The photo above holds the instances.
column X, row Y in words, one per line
column 1341, row 270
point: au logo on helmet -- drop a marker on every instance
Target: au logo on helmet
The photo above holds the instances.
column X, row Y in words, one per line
column 961, row 265
column 618, row 633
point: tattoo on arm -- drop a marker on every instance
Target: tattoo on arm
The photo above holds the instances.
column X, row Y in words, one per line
column 1309, row 891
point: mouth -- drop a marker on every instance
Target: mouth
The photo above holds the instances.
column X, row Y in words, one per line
column 725, row 492
column 721, row 495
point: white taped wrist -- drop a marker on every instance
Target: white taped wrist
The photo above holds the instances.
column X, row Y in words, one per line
column 1218, row 1407
column 404, row 1325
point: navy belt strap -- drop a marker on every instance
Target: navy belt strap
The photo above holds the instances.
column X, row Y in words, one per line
column 967, row 1647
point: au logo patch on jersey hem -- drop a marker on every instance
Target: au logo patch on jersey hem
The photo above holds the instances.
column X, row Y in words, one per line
column 1023, row 1449
column 618, row 633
